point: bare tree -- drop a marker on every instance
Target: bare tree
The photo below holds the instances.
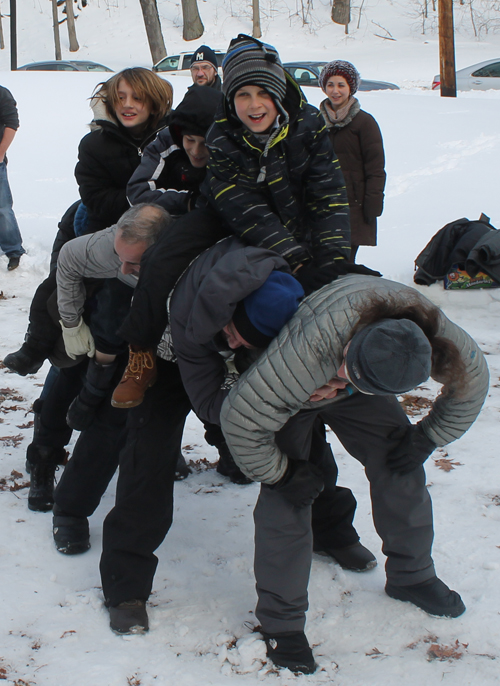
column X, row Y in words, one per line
column 2, row 42
column 55, row 24
column 256, row 31
column 341, row 12
column 192, row 25
column 70, row 16
column 153, row 30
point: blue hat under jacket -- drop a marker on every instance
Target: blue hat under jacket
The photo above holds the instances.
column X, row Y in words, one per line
column 260, row 316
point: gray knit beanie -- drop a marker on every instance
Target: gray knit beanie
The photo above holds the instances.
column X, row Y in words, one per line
column 340, row 68
column 389, row 357
column 250, row 62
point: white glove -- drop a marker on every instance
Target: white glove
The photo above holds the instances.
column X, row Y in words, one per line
column 78, row 340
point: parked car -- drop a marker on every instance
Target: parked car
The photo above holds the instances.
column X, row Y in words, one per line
column 64, row 65
column 182, row 62
column 481, row 77
column 307, row 74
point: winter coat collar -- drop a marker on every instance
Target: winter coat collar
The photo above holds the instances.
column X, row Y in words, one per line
column 339, row 124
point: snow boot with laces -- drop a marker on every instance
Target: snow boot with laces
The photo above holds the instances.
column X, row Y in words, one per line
column 139, row 375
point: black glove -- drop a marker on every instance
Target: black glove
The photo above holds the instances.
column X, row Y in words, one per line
column 312, row 278
column 361, row 269
column 412, row 450
column 301, row 484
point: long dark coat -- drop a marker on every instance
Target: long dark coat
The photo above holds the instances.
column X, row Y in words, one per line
column 357, row 141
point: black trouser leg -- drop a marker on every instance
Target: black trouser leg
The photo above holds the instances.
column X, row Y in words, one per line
column 143, row 510
column 94, row 460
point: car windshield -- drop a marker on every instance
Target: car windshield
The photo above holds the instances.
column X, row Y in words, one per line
column 169, row 63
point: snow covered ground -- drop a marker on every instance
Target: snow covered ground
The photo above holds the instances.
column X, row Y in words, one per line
column 442, row 164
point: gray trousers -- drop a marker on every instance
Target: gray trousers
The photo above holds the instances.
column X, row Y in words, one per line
column 401, row 506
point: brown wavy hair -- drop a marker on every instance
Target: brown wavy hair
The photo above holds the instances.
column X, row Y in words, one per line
column 448, row 366
column 152, row 89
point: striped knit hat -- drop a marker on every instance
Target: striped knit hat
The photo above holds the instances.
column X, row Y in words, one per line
column 340, row 68
column 250, row 62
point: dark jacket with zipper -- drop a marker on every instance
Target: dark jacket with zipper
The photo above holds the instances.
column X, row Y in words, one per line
column 107, row 158
column 165, row 175
column 357, row 142
column 287, row 196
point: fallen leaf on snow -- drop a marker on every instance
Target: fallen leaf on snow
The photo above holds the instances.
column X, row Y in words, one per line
column 446, row 464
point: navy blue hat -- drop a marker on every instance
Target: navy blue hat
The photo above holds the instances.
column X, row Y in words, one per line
column 260, row 316
column 204, row 54
column 388, row 357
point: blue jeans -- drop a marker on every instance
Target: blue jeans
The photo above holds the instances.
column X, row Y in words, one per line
column 11, row 242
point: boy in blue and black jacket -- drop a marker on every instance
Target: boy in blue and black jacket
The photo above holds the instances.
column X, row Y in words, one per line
column 272, row 179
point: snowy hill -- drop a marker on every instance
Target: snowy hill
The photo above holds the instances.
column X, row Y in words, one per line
column 442, row 163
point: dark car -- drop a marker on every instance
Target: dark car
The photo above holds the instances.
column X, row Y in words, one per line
column 307, row 74
column 64, row 65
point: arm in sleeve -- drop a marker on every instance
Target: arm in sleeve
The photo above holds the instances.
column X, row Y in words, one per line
column 372, row 150
column 452, row 414
column 145, row 183
column 103, row 198
column 326, row 201
column 9, row 116
column 91, row 256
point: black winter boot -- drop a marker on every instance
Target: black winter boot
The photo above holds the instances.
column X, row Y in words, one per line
column 26, row 360
column 355, row 557
column 71, row 534
column 228, row 467
column 432, row 596
column 98, row 381
column 129, row 617
column 182, row 471
column 290, row 650
column 41, row 464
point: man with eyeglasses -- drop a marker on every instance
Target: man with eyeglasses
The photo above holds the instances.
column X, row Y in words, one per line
column 204, row 68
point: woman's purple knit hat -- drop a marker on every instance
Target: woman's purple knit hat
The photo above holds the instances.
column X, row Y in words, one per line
column 340, row 68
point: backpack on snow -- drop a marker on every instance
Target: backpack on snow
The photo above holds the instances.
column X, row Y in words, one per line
column 463, row 254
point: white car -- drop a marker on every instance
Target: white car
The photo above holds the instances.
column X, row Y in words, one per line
column 480, row 77
column 182, row 62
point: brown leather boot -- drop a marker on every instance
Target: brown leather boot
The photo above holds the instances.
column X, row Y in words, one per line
column 139, row 375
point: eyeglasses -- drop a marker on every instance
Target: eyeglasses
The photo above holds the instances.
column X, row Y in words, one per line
column 202, row 67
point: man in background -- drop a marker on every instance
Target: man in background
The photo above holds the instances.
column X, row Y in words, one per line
column 10, row 236
column 204, row 68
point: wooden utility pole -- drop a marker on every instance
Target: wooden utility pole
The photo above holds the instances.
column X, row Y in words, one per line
column 13, row 35
column 57, row 38
column 447, row 49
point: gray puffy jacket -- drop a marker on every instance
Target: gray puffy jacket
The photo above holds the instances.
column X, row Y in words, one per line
column 308, row 353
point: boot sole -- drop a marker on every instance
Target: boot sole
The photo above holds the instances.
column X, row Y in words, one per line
column 128, row 404
column 72, row 548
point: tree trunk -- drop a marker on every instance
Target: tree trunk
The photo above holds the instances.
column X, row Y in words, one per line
column 256, row 31
column 341, row 12
column 70, row 16
column 2, row 42
column 192, row 25
column 153, row 30
column 57, row 37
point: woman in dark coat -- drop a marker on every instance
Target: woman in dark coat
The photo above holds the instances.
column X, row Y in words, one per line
column 358, row 144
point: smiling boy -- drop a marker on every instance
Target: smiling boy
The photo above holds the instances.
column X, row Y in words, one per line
column 272, row 173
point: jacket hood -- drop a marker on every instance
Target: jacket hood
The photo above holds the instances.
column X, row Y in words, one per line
column 222, row 277
column 195, row 114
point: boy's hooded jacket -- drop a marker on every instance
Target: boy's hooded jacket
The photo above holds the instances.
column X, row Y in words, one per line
column 300, row 208
column 165, row 175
